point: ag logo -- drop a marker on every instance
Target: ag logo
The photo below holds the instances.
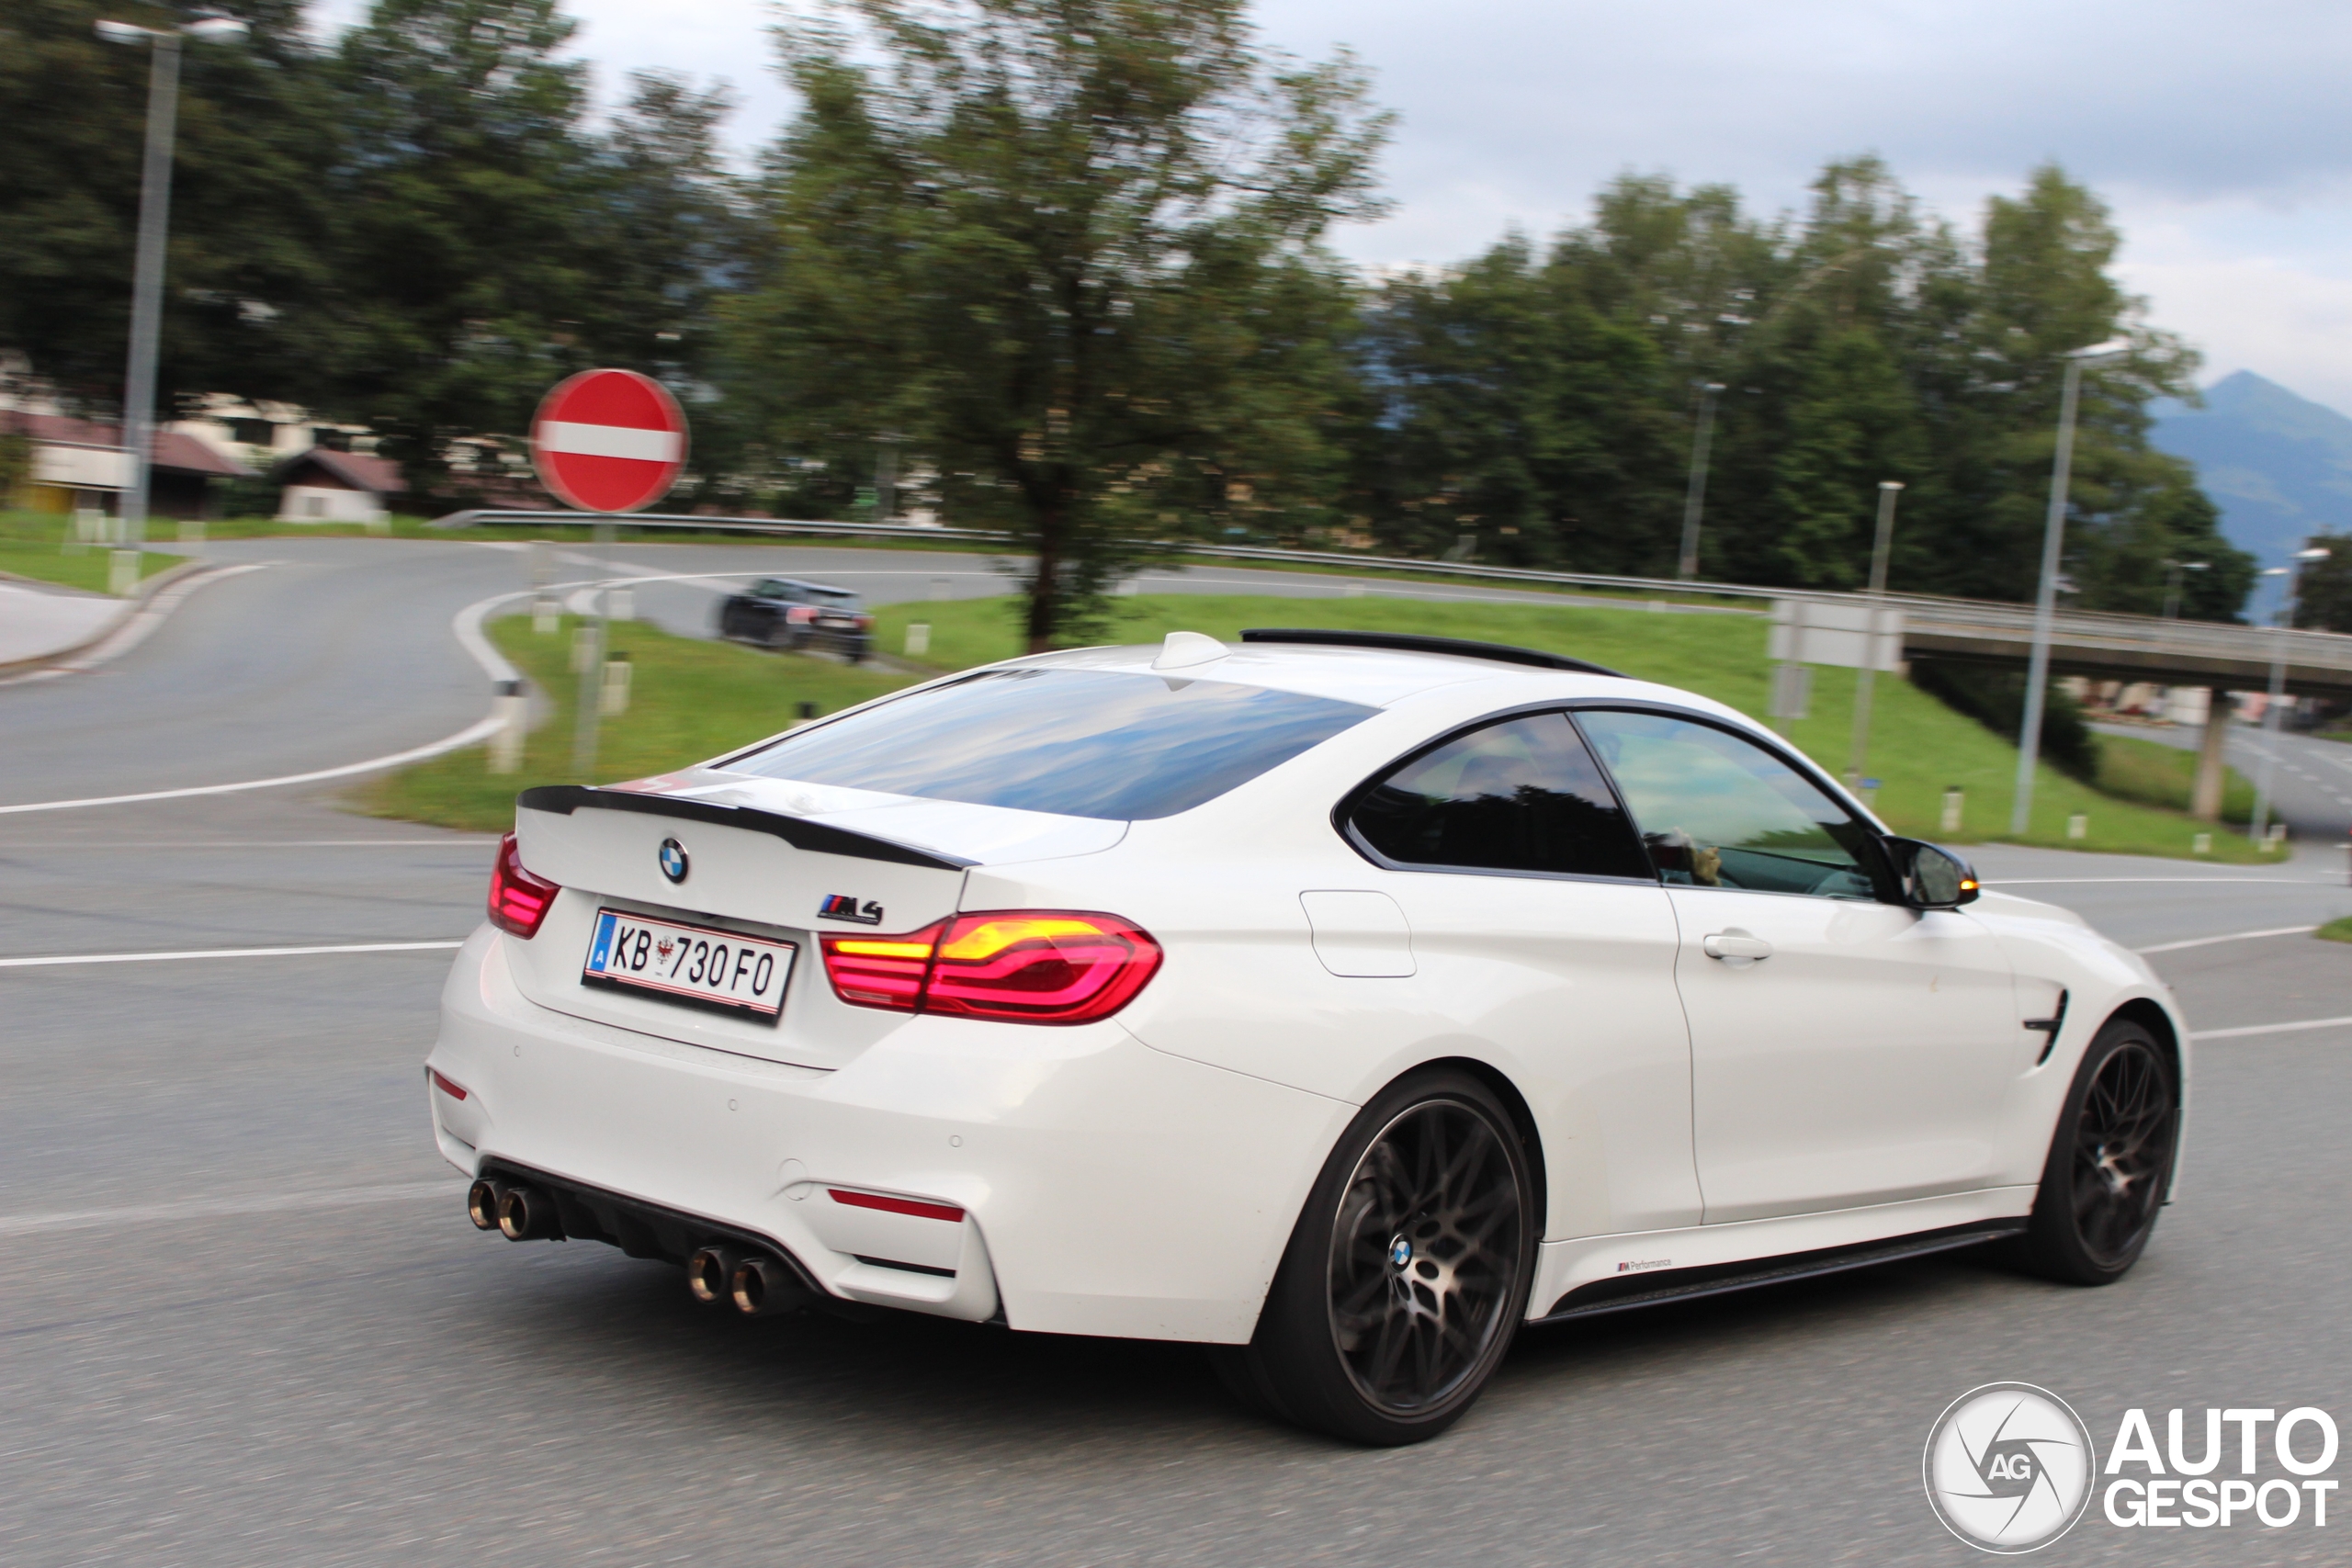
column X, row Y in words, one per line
column 2009, row 1467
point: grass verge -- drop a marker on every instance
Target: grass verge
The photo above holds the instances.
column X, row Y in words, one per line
column 693, row 699
column 2335, row 931
column 689, row 700
column 33, row 544
column 2153, row 773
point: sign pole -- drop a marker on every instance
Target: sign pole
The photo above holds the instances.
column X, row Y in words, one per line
column 607, row 442
column 598, row 627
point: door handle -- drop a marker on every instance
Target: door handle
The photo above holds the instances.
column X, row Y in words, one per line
column 1736, row 945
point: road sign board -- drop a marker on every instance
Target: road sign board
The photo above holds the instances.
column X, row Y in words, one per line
column 609, row 441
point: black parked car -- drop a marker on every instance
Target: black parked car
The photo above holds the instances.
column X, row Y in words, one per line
column 779, row 612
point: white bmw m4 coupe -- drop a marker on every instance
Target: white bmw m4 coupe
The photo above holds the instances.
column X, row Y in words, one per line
column 1340, row 1001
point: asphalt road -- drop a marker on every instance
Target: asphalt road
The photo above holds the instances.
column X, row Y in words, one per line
column 246, row 1321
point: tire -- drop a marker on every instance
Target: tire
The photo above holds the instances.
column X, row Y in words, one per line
column 1407, row 1276
column 2110, row 1161
column 779, row 636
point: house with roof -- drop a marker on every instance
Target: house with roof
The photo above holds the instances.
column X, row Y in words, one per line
column 80, row 465
column 323, row 485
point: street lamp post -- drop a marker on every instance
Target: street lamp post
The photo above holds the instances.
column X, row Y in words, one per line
column 1866, row 678
column 147, row 273
column 2045, row 602
column 1694, row 501
column 2285, row 618
column 2173, row 568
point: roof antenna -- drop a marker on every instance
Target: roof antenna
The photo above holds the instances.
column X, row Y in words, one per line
column 1185, row 649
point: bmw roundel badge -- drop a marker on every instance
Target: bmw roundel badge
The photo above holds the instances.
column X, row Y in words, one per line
column 674, row 860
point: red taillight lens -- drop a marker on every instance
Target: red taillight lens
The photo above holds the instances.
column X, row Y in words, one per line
column 1020, row 965
column 880, row 971
column 518, row 901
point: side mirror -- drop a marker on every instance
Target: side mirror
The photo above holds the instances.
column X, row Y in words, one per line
column 1931, row 878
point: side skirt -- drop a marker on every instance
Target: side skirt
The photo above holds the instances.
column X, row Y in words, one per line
column 1603, row 1296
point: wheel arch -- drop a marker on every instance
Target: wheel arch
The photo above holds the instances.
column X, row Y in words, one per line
column 2150, row 1015
column 1531, row 1137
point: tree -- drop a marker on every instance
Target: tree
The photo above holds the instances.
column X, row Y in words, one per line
column 1069, row 251
column 464, row 250
column 245, row 258
column 2323, row 590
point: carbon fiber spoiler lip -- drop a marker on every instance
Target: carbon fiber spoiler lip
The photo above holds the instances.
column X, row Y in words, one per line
column 562, row 800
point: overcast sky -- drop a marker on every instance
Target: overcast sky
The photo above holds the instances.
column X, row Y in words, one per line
column 2220, row 134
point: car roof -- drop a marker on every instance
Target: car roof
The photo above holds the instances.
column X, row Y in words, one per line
column 1376, row 677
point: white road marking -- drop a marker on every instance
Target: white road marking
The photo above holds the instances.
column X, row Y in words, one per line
column 306, row 1199
column 2233, row 936
column 453, row 841
column 466, row 624
column 632, row 442
column 226, row 952
column 2241, row 1033
column 2071, row 881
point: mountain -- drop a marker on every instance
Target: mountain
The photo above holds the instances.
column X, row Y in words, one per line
column 2280, row 466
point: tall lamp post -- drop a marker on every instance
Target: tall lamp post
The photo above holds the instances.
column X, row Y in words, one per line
column 2260, row 828
column 1866, row 678
column 147, row 276
column 2173, row 568
column 2045, row 602
column 1694, row 501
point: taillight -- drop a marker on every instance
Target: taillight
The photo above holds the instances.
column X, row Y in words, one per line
column 518, row 901
column 1020, row 965
column 800, row 615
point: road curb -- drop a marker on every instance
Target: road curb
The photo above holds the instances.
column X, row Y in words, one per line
column 156, row 597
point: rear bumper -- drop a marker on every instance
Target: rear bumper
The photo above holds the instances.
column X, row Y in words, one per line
column 1106, row 1187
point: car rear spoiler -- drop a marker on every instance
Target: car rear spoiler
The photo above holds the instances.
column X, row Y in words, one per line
column 562, row 800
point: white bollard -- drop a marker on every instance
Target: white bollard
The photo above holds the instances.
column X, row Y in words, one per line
column 614, row 699
column 2202, row 844
column 1954, row 799
column 122, row 571
column 546, row 614
column 620, row 605
column 583, row 647
column 938, row 589
column 2078, row 826
column 512, row 708
column 918, row 638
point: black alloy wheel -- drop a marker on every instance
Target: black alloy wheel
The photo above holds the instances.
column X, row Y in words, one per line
column 2110, row 1161
column 1408, row 1275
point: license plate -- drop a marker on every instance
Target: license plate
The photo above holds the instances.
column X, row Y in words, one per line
column 696, row 964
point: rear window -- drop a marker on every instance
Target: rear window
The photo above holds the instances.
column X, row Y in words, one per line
column 1079, row 742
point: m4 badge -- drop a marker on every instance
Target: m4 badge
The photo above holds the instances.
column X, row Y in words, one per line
column 841, row 906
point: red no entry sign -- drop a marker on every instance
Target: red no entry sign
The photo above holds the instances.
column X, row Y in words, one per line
column 609, row 441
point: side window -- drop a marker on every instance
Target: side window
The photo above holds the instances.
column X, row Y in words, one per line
column 1718, row 811
column 1520, row 795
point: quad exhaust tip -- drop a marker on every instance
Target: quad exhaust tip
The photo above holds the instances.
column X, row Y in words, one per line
column 481, row 1203
column 710, row 1274
column 526, row 1213
column 761, row 1285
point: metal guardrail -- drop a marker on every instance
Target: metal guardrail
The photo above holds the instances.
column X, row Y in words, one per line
column 2192, row 652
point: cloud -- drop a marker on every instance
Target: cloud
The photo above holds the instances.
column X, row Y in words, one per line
column 2222, row 133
